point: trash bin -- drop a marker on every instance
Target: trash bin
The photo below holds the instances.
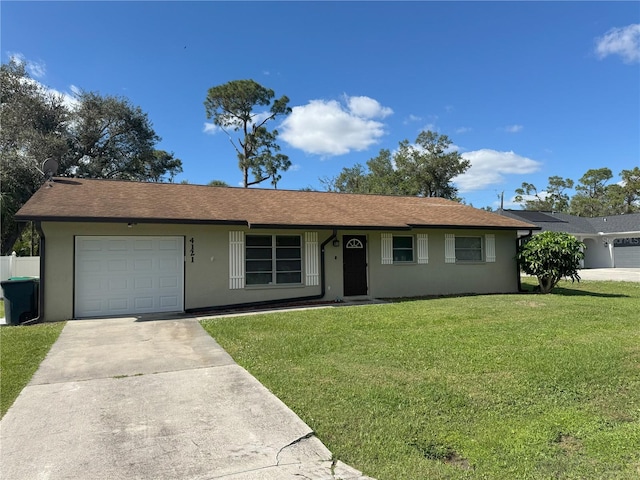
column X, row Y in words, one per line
column 20, row 299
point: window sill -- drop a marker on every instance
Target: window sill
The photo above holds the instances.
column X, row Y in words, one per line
column 274, row 286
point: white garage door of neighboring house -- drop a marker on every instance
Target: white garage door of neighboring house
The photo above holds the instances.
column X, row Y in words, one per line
column 627, row 257
column 128, row 275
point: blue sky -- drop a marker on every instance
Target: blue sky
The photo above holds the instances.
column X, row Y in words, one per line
column 525, row 90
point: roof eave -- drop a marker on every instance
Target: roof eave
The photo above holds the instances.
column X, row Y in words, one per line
column 172, row 221
column 289, row 226
column 479, row 227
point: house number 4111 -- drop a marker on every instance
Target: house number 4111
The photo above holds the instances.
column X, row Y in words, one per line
column 192, row 249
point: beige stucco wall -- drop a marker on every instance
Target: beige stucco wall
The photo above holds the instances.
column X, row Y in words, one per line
column 207, row 275
column 434, row 278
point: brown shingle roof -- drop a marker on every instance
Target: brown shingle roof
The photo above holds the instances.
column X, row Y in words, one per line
column 71, row 199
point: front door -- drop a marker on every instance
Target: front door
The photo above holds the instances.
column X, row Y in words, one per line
column 354, row 254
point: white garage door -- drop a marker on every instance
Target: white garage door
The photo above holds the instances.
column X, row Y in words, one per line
column 627, row 257
column 128, row 275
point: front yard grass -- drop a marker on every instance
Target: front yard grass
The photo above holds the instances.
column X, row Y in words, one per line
column 479, row 387
column 21, row 351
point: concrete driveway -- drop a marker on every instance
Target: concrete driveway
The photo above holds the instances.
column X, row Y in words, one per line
column 130, row 399
column 615, row 274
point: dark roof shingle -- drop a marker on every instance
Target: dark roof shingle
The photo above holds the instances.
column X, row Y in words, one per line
column 563, row 222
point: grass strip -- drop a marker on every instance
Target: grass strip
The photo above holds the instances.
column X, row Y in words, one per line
column 22, row 349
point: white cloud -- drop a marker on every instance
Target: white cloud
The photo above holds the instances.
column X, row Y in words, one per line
column 367, row 107
column 412, row 118
column 489, row 167
column 210, row 128
column 326, row 127
column 513, row 128
column 624, row 41
column 35, row 69
column 464, row 129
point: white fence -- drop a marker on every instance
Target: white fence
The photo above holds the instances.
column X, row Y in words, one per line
column 14, row 266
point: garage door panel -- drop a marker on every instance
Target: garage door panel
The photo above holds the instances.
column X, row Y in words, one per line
column 168, row 282
column 128, row 275
column 143, row 265
column 142, row 282
column 171, row 301
column 168, row 245
column 89, row 245
column 118, row 284
column 168, row 265
column 142, row 245
column 144, row 303
column 89, row 266
column 117, row 245
column 117, row 265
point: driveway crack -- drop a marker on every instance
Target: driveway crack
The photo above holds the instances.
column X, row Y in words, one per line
column 296, row 441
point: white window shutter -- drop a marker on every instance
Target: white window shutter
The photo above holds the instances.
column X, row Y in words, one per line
column 386, row 248
column 311, row 257
column 236, row 260
column 423, row 248
column 490, row 247
column 449, row 248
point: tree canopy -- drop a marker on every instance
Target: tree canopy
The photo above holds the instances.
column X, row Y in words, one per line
column 426, row 168
column 234, row 106
column 594, row 196
column 94, row 137
column 554, row 198
column 551, row 256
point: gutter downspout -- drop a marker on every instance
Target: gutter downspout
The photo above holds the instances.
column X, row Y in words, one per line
column 519, row 242
column 266, row 303
column 40, row 317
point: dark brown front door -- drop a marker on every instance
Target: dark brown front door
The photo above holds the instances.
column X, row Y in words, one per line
column 354, row 254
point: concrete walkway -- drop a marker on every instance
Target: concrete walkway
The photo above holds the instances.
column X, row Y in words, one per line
column 130, row 399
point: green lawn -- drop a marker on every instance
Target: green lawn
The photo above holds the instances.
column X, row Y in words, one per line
column 486, row 387
column 21, row 351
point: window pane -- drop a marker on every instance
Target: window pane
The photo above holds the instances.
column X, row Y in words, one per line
column 403, row 255
column 288, row 265
column 259, row 266
column 287, row 252
column 289, row 277
column 402, row 242
column 287, row 241
column 468, row 242
column 258, row 240
column 262, row 253
column 469, row 255
column 258, row 278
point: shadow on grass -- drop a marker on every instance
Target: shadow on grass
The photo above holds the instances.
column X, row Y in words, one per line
column 526, row 290
column 572, row 292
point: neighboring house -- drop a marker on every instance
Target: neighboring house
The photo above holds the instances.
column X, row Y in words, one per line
column 127, row 248
column 612, row 242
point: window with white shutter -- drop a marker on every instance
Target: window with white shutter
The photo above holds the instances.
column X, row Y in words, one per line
column 490, row 247
column 236, row 260
column 423, row 248
column 386, row 247
column 312, row 258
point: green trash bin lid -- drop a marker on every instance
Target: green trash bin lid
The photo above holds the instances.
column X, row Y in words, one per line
column 20, row 279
